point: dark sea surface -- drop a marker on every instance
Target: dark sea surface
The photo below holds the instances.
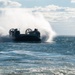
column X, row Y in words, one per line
column 56, row 58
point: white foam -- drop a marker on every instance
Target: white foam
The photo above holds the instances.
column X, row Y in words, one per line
column 22, row 19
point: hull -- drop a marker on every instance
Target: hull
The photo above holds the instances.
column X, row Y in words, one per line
column 26, row 38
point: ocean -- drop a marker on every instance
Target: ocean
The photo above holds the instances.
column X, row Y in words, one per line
column 55, row 58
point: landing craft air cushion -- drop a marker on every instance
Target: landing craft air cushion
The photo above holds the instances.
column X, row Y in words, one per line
column 29, row 36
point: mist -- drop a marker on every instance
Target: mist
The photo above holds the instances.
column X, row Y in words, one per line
column 22, row 19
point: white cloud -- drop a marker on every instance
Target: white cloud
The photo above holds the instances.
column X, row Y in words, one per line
column 55, row 13
column 61, row 16
column 52, row 13
column 9, row 3
column 72, row 1
column 49, row 8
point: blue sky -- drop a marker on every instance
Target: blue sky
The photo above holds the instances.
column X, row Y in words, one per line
column 33, row 3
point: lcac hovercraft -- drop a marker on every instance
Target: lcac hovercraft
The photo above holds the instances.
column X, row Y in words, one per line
column 29, row 36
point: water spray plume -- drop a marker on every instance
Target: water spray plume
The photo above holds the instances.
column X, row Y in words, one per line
column 23, row 19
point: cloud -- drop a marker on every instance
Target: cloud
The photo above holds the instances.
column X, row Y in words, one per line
column 54, row 13
column 61, row 16
column 49, row 8
column 9, row 3
column 72, row 1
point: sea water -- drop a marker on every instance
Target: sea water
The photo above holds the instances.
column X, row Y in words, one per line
column 56, row 58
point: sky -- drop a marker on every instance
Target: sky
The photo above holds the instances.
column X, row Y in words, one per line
column 59, row 13
column 33, row 3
